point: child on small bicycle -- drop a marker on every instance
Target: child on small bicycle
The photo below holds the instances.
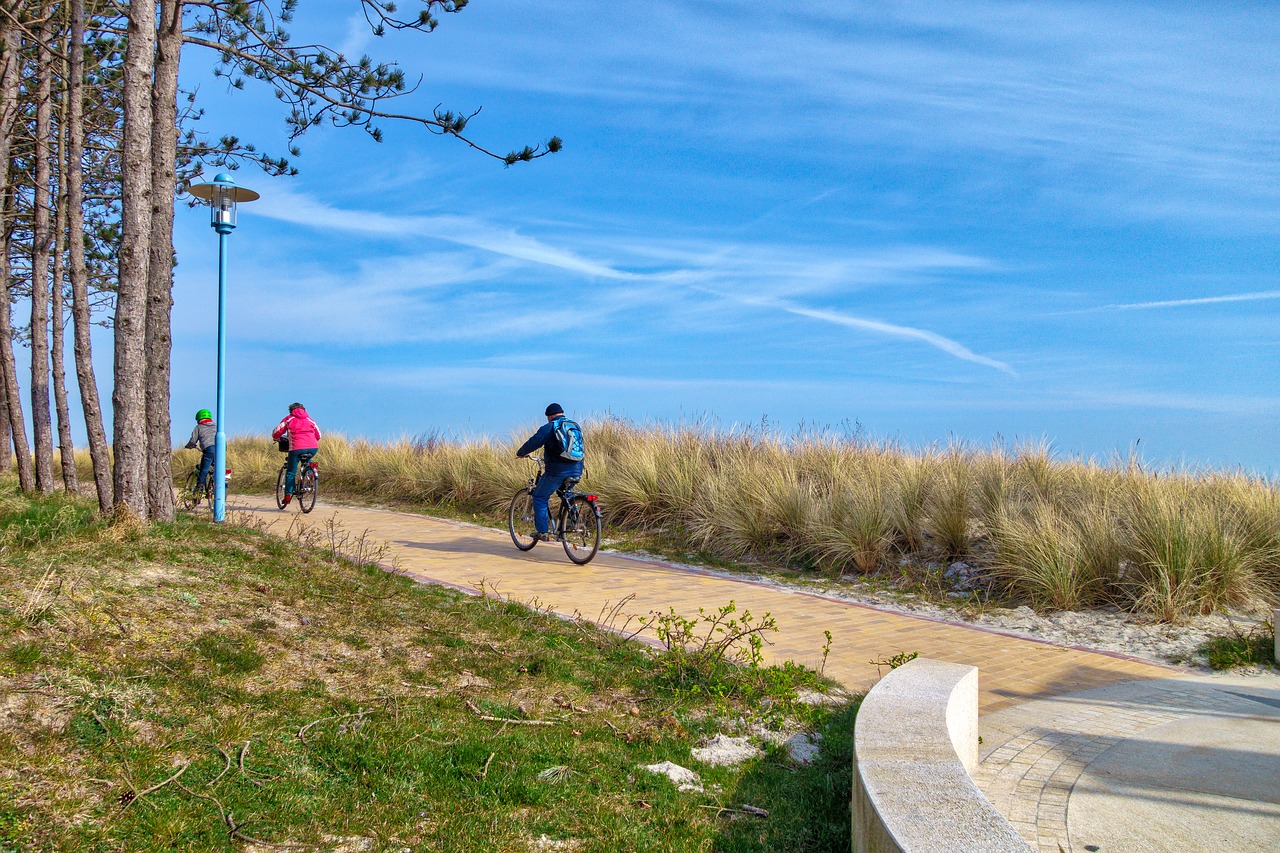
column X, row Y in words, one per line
column 203, row 438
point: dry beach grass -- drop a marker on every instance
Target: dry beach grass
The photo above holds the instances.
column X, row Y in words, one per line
column 1055, row 534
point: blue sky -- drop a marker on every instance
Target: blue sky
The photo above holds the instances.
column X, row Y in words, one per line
column 937, row 220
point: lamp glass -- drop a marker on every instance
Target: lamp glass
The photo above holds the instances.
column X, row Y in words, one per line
column 223, row 206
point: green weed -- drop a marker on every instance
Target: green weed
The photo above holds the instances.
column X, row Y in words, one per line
column 1255, row 647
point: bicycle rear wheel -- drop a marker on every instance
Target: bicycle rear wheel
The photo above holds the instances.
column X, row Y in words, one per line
column 580, row 529
column 280, row 486
column 520, row 520
column 190, row 495
column 308, row 485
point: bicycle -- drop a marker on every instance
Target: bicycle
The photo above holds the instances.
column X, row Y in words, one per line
column 577, row 527
column 191, row 494
column 305, row 485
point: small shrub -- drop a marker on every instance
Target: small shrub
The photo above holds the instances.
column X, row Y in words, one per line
column 703, row 651
column 894, row 661
column 1255, row 647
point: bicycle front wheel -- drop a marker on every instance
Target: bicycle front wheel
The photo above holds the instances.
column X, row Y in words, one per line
column 580, row 529
column 280, row 486
column 520, row 520
column 190, row 495
column 308, row 485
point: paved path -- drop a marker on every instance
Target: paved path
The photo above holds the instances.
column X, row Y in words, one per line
column 1051, row 716
column 1158, row 765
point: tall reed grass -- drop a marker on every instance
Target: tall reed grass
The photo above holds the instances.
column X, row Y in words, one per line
column 1063, row 534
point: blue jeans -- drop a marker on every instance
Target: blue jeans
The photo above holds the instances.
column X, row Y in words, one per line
column 542, row 492
column 296, row 456
column 206, row 462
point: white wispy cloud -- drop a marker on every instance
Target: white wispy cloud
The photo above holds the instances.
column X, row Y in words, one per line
column 1209, row 403
column 301, row 209
column 893, row 330
column 1179, row 102
column 676, row 279
column 356, row 39
column 1199, row 300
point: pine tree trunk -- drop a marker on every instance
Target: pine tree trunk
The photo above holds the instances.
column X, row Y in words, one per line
column 128, row 397
column 41, row 237
column 6, row 450
column 99, row 452
column 10, row 68
column 13, row 394
column 164, row 149
column 66, row 449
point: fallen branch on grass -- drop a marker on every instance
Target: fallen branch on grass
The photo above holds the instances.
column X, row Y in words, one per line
column 218, row 778
column 233, row 828
column 513, row 722
column 133, row 799
column 566, row 704
column 626, row 736
column 302, row 732
column 244, row 750
column 742, row 809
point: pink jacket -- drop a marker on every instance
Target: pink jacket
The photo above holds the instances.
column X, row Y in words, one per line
column 303, row 432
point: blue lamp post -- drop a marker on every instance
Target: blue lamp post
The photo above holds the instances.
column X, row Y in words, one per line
column 222, row 196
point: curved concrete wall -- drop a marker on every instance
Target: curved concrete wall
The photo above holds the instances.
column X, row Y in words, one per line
column 915, row 743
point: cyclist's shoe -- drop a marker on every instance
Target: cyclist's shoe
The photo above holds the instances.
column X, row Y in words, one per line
column 287, row 498
column 541, row 537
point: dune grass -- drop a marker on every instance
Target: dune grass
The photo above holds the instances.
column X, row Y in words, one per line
column 188, row 686
column 1064, row 534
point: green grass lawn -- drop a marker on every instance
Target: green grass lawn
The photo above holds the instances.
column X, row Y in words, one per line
column 201, row 687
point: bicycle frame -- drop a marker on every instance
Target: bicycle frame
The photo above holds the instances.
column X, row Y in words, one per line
column 565, row 493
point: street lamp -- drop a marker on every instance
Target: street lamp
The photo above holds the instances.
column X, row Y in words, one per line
column 222, row 196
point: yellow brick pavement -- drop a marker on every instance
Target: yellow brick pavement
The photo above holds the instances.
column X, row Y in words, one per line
column 1013, row 669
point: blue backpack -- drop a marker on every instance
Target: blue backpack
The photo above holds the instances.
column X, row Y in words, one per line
column 569, row 434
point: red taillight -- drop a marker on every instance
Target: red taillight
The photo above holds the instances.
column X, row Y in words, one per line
column 591, row 497
column 315, row 465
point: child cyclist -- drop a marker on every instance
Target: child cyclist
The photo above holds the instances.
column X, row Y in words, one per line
column 202, row 438
column 304, row 442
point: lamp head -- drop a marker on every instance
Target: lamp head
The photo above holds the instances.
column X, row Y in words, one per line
column 222, row 196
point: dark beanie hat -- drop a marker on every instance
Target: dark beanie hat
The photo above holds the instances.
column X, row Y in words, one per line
column 554, row 409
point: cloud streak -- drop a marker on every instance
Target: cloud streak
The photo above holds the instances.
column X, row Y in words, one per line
column 301, row 209
column 893, row 330
column 768, row 274
column 1183, row 303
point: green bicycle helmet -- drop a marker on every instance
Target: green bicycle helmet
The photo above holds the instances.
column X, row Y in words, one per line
column 204, row 414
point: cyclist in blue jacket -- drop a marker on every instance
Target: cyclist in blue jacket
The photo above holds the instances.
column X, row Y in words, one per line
column 558, row 468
